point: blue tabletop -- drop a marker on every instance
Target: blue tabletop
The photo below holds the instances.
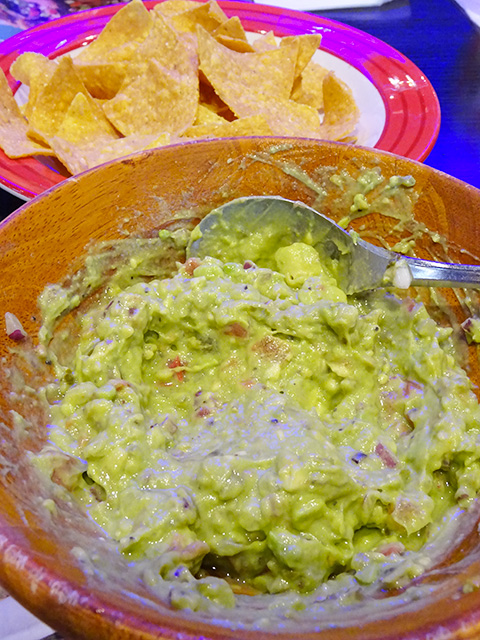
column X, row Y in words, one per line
column 7, row 31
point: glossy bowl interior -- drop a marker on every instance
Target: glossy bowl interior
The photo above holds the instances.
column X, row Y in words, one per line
column 41, row 243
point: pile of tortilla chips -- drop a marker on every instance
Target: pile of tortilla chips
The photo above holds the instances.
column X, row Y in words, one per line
column 181, row 71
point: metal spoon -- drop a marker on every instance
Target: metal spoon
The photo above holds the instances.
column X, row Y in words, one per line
column 256, row 226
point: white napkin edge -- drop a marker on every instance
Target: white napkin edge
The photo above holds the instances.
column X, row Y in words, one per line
column 19, row 624
column 472, row 9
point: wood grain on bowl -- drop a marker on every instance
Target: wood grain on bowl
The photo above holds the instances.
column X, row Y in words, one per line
column 45, row 240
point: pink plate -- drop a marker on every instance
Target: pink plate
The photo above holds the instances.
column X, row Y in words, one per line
column 399, row 109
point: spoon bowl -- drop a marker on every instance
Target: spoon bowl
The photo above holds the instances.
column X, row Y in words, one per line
column 358, row 265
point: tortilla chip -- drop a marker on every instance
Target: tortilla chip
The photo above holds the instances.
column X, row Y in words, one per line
column 210, row 99
column 55, row 97
column 34, row 70
column 307, row 45
column 266, row 42
column 159, row 100
column 288, row 118
column 235, row 44
column 174, row 51
column 77, row 159
column 308, row 88
column 120, row 36
column 341, row 112
column 158, row 141
column 103, row 80
column 180, row 71
column 250, row 126
column 243, row 80
column 30, row 67
column 209, row 16
column 14, row 127
column 172, row 7
column 85, row 122
column 232, row 28
column 206, row 115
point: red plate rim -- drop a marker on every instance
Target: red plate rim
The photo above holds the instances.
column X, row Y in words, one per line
column 411, row 105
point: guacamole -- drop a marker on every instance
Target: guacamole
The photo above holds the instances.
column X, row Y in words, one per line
column 242, row 430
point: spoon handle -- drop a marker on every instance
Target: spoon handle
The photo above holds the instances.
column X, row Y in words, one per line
column 437, row 274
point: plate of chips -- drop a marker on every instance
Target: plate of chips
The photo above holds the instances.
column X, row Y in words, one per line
column 103, row 83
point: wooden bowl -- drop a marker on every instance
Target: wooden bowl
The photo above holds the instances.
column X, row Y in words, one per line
column 40, row 562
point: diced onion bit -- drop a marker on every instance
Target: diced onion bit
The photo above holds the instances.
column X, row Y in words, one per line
column 391, row 548
column 402, row 276
column 14, row 328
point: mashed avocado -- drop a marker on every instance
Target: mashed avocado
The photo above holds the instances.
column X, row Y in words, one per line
column 247, row 430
